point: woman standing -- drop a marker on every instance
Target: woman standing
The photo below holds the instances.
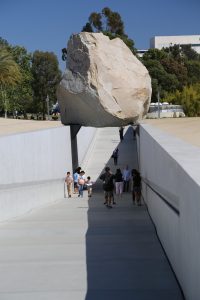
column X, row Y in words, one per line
column 119, row 183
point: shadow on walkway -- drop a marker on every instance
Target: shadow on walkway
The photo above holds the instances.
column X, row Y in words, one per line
column 125, row 260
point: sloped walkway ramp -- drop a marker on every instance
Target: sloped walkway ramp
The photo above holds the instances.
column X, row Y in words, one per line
column 77, row 249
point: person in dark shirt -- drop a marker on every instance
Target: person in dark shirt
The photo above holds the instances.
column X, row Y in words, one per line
column 119, row 183
column 121, row 133
column 115, row 156
column 108, row 186
column 136, row 187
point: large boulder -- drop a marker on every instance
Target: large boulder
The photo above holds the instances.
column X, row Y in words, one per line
column 104, row 84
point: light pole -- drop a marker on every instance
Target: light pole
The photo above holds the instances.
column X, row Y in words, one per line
column 158, row 97
column 47, row 100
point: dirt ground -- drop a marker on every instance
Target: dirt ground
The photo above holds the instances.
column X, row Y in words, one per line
column 187, row 129
column 12, row 126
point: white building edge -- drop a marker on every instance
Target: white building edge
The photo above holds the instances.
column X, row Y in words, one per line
column 160, row 42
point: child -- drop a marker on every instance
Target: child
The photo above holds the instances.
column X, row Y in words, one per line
column 68, row 181
column 89, row 184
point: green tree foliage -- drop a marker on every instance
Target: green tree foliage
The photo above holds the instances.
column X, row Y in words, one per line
column 154, row 54
column 167, row 81
column 176, row 72
column 95, row 21
column 189, row 98
column 111, row 24
column 87, row 28
column 172, row 66
column 21, row 95
column 189, row 53
column 10, row 76
column 9, row 71
column 193, row 69
column 46, row 76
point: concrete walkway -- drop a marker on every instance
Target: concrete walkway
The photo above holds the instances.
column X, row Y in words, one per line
column 78, row 249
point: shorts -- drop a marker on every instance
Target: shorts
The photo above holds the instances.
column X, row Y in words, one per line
column 108, row 194
column 76, row 185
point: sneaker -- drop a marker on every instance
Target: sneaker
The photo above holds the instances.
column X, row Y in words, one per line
column 78, row 195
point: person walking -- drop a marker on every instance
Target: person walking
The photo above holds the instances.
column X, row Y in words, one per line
column 121, row 133
column 115, row 156
column 119, row 183
column 81, row 183
column 126, row 177
column 69, row 181
column 136, row 187
column 108, row 186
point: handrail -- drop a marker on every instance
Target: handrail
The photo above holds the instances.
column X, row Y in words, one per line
column 171, row 200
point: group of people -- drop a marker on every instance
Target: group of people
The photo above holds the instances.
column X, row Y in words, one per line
column 120, row 182
column 79, row 182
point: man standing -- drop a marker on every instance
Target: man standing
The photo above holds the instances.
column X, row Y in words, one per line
column 126, row 177
column 115, row 156
column 121, row 133
column 108, row 186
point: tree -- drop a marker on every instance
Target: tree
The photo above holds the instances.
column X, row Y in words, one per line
column 154, row 54
column 193, row 69
column 9, row 76
column 95, row 21
column 170, row 69
column 113, row 22
column 189, row 98
column 189, row 53
column 46, row 76
column 21, row 95
column 87, row 28
column 9, row 70
column 172, row 66
column 109, row 23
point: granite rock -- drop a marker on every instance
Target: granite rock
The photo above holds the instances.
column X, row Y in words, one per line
column 104, row 84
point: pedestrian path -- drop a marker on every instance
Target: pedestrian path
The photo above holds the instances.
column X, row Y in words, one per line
column 78, row 249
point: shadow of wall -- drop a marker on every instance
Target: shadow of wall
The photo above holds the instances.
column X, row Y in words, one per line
column 104, row 273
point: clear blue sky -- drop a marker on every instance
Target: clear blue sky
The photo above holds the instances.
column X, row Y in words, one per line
column 46, row 25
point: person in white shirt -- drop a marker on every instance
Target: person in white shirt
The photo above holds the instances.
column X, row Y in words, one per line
column 126, row 177
column 89, row 184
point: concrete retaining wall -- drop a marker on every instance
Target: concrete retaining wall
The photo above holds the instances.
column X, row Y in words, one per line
column 33, row 166
column 171, row 188
column 84, row 141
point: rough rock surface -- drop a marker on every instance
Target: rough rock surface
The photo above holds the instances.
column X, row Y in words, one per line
column 104, row 84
